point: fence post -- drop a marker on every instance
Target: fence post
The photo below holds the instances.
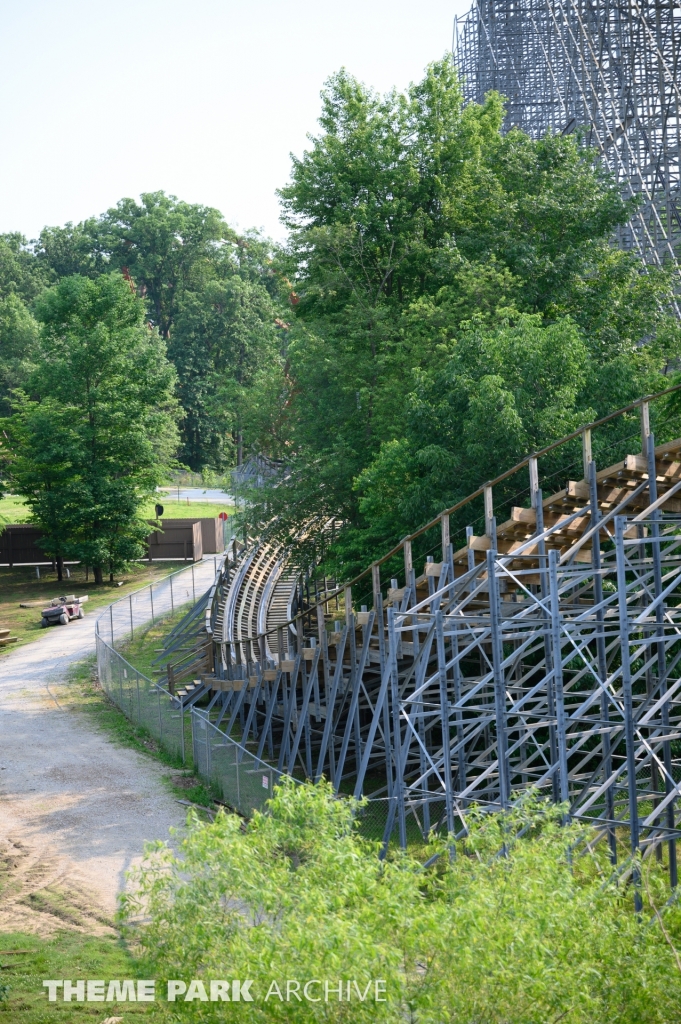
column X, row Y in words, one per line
column 160, row 720
column 238, row 790
column 111, row 619
column 193, row 584
column 131, row 631
column 182, row 732
column 172, row 605
column 139, row 708
column 151, row 599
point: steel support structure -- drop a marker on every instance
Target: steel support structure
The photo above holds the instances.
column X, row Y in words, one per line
column 544, row 656
column 608, row 69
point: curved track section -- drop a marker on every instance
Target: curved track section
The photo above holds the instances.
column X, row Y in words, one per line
column 544, row 654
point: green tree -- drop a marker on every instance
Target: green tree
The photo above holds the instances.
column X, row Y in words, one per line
column 536, row 935
column 18, row 347
column 209, row 292
column 95, row 431
column 20, row 272
column 226, row 336
column 445, row 278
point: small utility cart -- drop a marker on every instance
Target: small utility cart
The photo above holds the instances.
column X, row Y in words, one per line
column 61, row 610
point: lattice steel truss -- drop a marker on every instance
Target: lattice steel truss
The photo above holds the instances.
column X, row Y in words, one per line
column 542, row 656
column 541, row 672
column 609, row 68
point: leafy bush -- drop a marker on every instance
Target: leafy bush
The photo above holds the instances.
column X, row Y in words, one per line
column 536, row 935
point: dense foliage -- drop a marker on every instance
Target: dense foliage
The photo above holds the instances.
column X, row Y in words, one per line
column 95, row 431
column 458, row 303
column 537, row 935
column 448, row 300
column 212, row 296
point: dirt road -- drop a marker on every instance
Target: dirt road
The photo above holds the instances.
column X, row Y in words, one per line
column 75, row 809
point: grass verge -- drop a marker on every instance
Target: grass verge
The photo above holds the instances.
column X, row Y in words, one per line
column 72, row 955
column 13, row 509
column 21, row 586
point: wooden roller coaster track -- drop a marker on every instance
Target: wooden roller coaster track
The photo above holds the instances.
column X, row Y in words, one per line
column 545, row 653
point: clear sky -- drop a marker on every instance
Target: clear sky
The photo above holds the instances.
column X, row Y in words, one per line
column 101, row 99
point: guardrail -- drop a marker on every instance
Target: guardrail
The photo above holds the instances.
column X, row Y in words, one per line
column 245, row 781
column 433, row 540
column 144, row 702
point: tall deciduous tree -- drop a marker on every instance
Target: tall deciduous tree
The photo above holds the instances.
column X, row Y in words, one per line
column 210, row 293
column 443, row 273
column 95, row 430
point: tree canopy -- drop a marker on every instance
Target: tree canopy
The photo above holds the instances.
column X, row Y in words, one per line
column 449, row 298
column 94, row 432
column 210, row 293
column 457, row 302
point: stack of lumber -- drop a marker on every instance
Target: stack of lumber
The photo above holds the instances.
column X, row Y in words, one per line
column 5, row 637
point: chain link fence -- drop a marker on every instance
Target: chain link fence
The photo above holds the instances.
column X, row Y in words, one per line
column 157, row 601
column 245, row 782
column 144, row 702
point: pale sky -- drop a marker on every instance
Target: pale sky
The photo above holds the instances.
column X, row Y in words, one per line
column 101, row 99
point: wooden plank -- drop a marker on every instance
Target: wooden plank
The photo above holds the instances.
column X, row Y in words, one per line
column 433, row 568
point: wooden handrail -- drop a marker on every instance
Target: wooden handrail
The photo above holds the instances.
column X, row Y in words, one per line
column 471, row 497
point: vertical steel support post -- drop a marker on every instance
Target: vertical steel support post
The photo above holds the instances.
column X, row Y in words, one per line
column 380, row 623
column 490, row 521
column 444, row 718
column 654, row 521
column 460, row 740
column 587, row 457
column 499, row 687
column 602, row 659
column 151, row 600
column 545, row 594
column 172, row 604
column 470, row 554
column 561, row 729
column 447, row 546
column 396, row 745
column 130, row 600
column 111, row 620
column 627, row 700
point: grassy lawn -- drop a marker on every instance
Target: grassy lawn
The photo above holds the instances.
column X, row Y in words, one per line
column 72, row 955
column 148, row 641
column 13, row 509
column 187, row 510
column 21, row 586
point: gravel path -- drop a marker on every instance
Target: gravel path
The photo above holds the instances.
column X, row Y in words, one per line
column 75, row 809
